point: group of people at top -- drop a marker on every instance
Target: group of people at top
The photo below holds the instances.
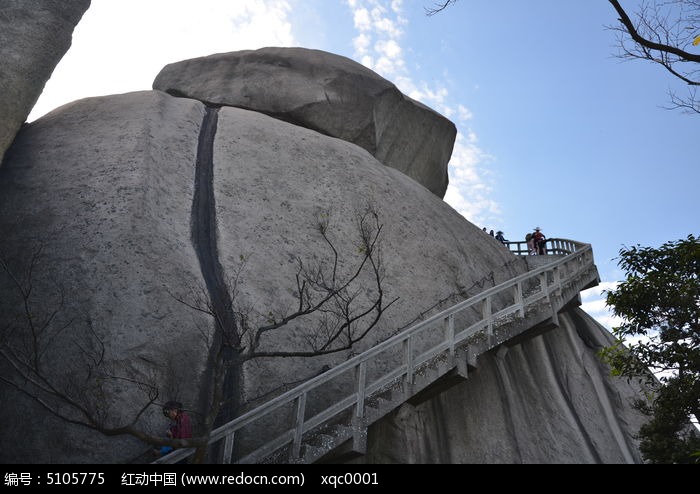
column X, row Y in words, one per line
column 536, row 241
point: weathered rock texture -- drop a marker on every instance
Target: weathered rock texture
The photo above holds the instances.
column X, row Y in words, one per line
column 328, row 93
column 107, row 186
column 131, row 223
column 106, row 189
column 546, row 400
column 34, row 36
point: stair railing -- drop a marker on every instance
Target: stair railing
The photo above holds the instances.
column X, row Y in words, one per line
column 548, row 280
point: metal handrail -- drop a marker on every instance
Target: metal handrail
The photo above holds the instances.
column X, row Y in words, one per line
column 577, row 259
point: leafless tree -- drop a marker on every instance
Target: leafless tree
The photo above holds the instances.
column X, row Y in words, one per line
column 338, row 308
column 663, row 32
column 55, row 357
column 334, row 310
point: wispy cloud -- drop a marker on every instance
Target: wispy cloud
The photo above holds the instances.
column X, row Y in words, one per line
column 469, row 191
column 593, row 303
column 380, row 26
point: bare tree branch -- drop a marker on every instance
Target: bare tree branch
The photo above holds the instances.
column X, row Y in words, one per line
column 28, row 342
column 337, row 330
column 438, row 7
column 663, row 34
column 688, row 104
column 657, row 29
column 320, row 291
column 335, row 308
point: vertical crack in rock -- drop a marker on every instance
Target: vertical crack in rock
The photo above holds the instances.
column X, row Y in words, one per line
column 204, row 239
column 204, row 235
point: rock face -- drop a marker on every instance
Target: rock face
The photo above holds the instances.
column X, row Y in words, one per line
column 34, row 36
column 106, row 189
column 140, row 209
column 108, row 186
column 327, row 93
column 546, row 400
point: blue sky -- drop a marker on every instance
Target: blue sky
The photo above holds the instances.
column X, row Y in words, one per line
column 554, row 130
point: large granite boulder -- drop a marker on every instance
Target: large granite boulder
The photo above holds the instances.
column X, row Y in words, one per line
column 126, row 218
column 548, row 399
column 34, row 36
column 327, row 93
column 107, row 190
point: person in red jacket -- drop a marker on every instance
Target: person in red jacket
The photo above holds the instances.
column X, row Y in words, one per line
column 181, row 427
column 539, row 240
column 180, row 424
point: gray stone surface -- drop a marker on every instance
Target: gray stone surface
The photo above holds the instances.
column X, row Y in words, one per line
column 328, row 93
column 272, row 179
column 107, row 186
column 34, row 36
column 546, row 400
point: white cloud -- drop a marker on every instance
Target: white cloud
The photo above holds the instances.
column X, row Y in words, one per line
column 385, row 25
column 595, row 306
column 596, row 294
column 389, row 48
column 593, row 303
column 464, row 114
column 469, row 191
column 597, row 291
column 362, row 43
column 397, row 5
column 367, row 61
column 121, row 46
column 374, row 21
column 362, row 19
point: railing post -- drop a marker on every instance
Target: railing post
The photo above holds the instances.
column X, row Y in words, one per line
column 518, row 299
column 228, row 448
column 299, row 427
column 578, row 262
column 361, row 390
column 486, row 313
column 543, row 284
column 450, row 337
column 408, row 360
column 556, row 281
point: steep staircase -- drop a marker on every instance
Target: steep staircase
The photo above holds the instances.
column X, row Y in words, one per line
column 411, row 366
